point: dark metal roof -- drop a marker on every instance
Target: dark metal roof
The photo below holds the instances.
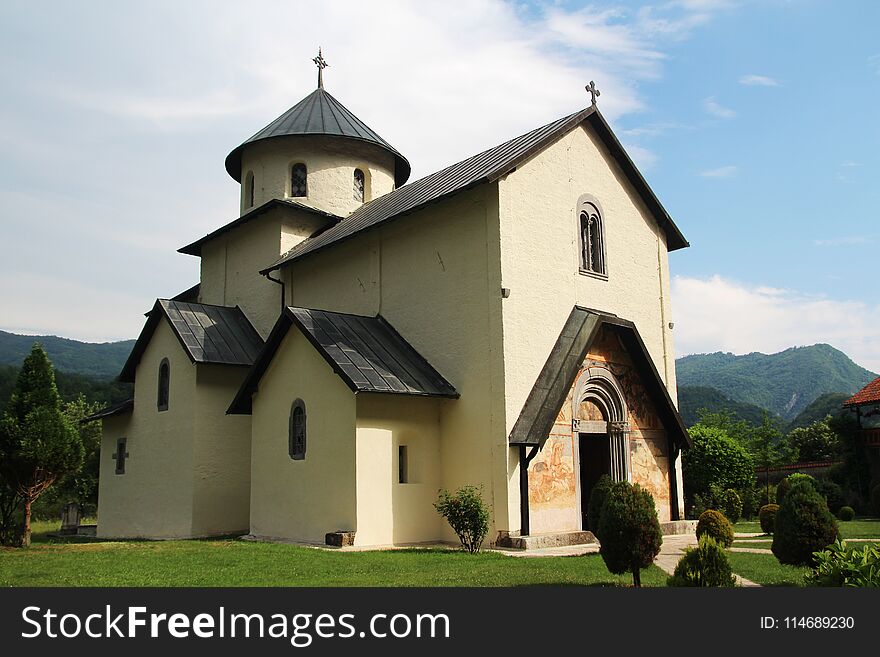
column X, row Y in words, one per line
column 109, row 411
column 190, row 294
column 552, row 386
column 209, row 334
column 195, row 248
column 484, row 167
column 319, row 113
column 366, row 352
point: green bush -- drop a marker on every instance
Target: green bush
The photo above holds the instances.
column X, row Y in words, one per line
column 714, row 524
column 597, row 501
column 715, row 459
column 467, row 514
column 749, row 497
column 832, row 493
column 875, row 501
column 630, row 530
column 767, row 517
column 846, row 513
column 704, row 565
column 766, row 497
column 731, row 505
column 804, row 525
column 838, row 566
column 785, row 485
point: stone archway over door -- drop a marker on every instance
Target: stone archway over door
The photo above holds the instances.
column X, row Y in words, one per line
column 606, row 439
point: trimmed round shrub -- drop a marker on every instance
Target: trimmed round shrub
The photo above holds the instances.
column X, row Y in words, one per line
column 767, row 517
column 467, row 514
column 803, row 525
column 597, row 501
column 731, row 505
column 630, row 530
column 832, row 493
column 704, row 565
column 846, row 513
column 785, row 485
column 713, row 523
column 875, row 501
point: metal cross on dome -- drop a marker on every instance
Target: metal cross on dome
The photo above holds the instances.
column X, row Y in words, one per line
column 321, row 63
column 594, row 92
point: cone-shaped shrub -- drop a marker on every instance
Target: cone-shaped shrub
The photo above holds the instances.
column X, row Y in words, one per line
column 803, row 525
column 630, row 530
column 704, row 565
column 597, row 501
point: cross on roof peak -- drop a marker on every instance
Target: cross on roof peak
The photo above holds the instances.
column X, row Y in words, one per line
column 321, row 63
column 594, row 92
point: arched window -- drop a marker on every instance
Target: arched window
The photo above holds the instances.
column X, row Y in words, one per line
column 164, row 385
column 299, row 180
column 297, row 431
column 592, row 237
column 249, row 190
column 358, row 188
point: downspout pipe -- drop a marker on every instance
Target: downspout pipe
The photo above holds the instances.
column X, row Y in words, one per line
column 280, row 282
column 524, row 459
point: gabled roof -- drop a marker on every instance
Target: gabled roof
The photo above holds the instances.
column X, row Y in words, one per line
column 870, row 394
column 319, row 113
column 565, row 360
column 114, row 409
column 208, row 334
column 366, row 352
column 485, row 167
column 195, row 248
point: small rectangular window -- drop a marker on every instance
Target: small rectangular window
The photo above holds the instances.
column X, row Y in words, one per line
column 402, row 465
column 120, row 456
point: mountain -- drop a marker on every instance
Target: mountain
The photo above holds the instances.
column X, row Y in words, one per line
column 101, row 361
column 784, row 383
column 692, row 399
column 831, row 403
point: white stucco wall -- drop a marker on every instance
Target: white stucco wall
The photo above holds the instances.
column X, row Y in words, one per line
column 230, row 263
column 539, row 263
column 303, row 500
column 154, row 497
column 435, row 276
column 330, row 163
column 390, row 512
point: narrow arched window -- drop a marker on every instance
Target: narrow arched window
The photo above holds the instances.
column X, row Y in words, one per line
column 249, row 190
column 358, row 188
column 592, row 238
column 297, row 431
column 164, row 385
column 299, row 180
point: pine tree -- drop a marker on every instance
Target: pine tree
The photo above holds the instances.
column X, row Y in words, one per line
column 38, row 444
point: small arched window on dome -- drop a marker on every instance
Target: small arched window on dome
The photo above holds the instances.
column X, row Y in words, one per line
column 297, row 431
column 358, row 188
column 164, row 385
column 299, row 180
column 592, row 237
column 249, row 190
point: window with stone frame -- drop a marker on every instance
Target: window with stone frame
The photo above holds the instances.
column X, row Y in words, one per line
column 299, row 180
column 592, row 238
column 297, row 431
column 164, row 387
column 359, row 185
column 120, row 456
column 249, row 190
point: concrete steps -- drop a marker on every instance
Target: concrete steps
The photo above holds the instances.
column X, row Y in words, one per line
column 549, row 540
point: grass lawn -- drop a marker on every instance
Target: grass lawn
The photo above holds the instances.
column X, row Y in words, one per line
column 765, row 570
column 241, row 563
column 860, row 528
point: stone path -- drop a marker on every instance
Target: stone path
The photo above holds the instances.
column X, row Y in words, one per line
column 674, row 546
column 751, row 550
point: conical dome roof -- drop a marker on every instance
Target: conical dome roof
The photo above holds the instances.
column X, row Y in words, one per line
column 319, row 113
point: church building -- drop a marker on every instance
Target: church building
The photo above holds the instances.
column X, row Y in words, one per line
column 357, row 342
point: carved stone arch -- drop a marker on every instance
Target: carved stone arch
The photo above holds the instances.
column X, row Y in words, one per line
column 599, row 386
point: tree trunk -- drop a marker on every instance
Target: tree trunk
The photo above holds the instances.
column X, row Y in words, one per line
column 26, row 538
column 637, row 577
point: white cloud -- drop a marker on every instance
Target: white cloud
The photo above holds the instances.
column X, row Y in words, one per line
column 758, row 81
column 874, row 63
column 843, row 241
column 721, row 172
column 718, row 314
column 850, row 164
column 714, row 108
column 645, row 159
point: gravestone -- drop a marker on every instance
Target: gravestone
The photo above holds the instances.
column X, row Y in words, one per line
column 71, row 517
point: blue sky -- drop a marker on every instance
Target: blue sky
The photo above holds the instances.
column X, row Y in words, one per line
column 754, row 121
